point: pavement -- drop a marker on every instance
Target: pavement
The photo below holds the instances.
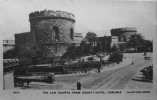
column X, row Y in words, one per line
column 114, row 66
column 124, row 63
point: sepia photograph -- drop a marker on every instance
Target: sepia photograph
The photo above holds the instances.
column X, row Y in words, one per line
column 78, row 45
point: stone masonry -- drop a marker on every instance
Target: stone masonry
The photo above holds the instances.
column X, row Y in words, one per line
column 122, row 34
column 51, row 30
column 54, row 30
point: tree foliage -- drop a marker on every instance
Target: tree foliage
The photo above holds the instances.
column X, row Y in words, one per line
column 90, row 45
column 77, row 51
column 9, row 54
column 116, row 55
column 122, row 47
column 139, row 43
column 147, row 46
column 106, row 43
column 85, row 47
column 70, row 52
column 32, row 56
column 135, row 41
column 114, row 48
column 90, row 37
column 103, row 44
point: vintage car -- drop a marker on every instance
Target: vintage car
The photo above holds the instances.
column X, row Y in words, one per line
column 147, row 73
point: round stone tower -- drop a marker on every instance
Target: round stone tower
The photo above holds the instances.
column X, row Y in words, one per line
column 53, row 30
column 123, row 34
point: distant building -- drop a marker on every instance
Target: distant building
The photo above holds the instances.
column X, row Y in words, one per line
column 78, row 38
column 54, row 32
column 8, row 45
column 114, row 40
column 122, row 35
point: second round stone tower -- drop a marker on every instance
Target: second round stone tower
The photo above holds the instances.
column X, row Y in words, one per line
column 53, row 30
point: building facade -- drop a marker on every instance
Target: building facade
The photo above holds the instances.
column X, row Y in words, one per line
column 8, row 45
column 78, row 38
column 122, row 35
column 52, row 30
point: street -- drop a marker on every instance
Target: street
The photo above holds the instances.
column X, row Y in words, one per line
column 127, row 77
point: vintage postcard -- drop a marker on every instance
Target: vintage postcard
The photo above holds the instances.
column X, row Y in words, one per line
column 78, row 49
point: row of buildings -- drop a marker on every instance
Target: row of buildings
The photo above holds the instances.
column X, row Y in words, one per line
column 54, row 32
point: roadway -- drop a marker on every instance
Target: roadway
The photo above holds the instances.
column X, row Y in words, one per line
column 126, row 77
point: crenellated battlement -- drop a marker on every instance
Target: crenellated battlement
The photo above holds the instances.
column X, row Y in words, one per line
column 125, row 29
column 23, row 33
column 51, row 13
column 23, row 36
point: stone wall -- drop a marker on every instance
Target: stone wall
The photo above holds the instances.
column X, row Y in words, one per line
column 123, row 33
column 53, row 30
column 52, row 50
column 78, row 38
column 23, row 41
column 46, row 30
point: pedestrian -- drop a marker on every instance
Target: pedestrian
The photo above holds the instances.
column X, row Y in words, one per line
column 145, row 53
column 78, row 86
column 132, row 63
column 98, row 70
column 50, row 78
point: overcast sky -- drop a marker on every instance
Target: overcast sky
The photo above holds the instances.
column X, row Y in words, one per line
column 98, row 16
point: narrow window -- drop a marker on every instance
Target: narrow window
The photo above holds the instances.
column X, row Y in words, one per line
column 56, row 31
column 35, row 34
column 71, row 33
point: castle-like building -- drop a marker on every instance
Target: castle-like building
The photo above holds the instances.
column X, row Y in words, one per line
column 121, row 35
column 52, row 30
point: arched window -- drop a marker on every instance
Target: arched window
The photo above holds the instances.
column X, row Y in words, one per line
column 56, row 31
column 124, row 38
column 71, row 33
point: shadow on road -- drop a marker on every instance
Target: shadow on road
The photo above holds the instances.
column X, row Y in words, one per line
column 140, row 79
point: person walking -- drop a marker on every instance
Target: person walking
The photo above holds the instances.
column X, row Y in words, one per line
column 78, row 86
column 132, row 63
